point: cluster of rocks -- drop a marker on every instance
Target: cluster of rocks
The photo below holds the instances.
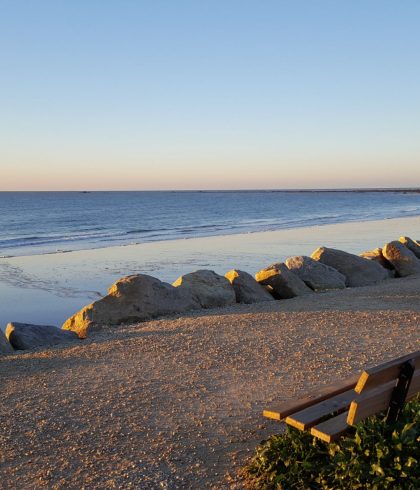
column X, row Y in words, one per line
column 141, row 297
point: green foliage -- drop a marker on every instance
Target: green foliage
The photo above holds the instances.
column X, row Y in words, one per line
column 376, row 456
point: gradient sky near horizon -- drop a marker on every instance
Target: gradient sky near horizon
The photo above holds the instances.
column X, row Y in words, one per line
column 207, row 94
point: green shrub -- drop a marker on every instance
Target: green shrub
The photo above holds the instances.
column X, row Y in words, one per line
column 376, row 456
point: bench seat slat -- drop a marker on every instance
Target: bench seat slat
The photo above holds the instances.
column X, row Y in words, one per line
column 332, row 429
column 378, row 375
column 310, row 416
column 281, row 411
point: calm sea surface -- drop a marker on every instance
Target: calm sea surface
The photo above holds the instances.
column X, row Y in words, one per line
column 46, row 222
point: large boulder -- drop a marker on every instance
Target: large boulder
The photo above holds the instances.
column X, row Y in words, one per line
column 5, row 346
column 25, row 336
column 403, row 259
column 316, row 275
column 412, row 245
column 357, row 270
column 131, row 299
column 206, row 288
column 247, row 289
column 377, row 256
column 283, row 283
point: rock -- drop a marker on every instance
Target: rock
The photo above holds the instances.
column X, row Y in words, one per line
column 412, row 245
column 25, row 336
column 357, row 270
column 283, row 282
column 316, row 275
column 207, row 288
column 377, row 255
column 247, row 289
column 131, row 299
column 403, row 259
column 5, row 346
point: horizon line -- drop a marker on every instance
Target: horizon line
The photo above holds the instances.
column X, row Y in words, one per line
column 297, row 189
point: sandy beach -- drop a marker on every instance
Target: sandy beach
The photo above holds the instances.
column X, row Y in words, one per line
column 176, row 403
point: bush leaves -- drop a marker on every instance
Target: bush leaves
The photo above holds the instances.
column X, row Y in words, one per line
column 377, row 456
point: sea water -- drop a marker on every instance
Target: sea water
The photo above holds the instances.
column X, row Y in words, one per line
column 48, row 222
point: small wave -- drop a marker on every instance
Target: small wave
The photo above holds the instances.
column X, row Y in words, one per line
column 143, row 230
column 53, row 239
column 200, row 227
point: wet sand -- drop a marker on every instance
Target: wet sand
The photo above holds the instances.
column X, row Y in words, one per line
column 50, row 288
column 176, row 403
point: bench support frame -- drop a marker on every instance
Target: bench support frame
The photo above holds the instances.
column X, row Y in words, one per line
column 400, row 392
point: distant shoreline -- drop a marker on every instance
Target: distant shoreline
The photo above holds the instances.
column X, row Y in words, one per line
column 411, row 190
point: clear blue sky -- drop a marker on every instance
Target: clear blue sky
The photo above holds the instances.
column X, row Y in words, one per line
column 118, row 94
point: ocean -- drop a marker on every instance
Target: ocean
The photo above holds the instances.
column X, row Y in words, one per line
column 34, row 223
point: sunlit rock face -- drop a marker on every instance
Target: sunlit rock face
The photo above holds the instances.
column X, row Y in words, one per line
column 24, row 336
column 131, row 299
column 357, row 270
column 247, row 289
column 316, row 275
column 5, row 347
column 403, row 259
column 412, row 245
column 284, row 284
column 206, row 288
column 377, row 256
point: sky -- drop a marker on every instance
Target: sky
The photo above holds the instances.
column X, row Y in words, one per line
column 209, row 94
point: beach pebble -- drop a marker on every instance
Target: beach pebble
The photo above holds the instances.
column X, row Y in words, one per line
column 283, row 282
column 316, row 275
column 207, row 288
column 247, row 289
column 357, row 270
column 402, row 258
column 24, row 336
column 412, row 245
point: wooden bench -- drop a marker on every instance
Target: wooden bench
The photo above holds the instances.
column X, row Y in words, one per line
column 331, row 411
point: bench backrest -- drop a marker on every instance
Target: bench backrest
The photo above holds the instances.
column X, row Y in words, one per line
column 377, row 386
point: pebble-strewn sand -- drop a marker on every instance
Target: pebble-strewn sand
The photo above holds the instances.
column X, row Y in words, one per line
column 177, row 403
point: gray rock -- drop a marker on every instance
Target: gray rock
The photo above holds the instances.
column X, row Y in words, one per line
column 25, row 336
column 316, row 275
column 283, row 282
column 206, row 288
column 357, row 270
column 403, row 259
column 5, row 346
column 247, row 289
column 412, row 245
column 377, row 256
column 131, row 299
